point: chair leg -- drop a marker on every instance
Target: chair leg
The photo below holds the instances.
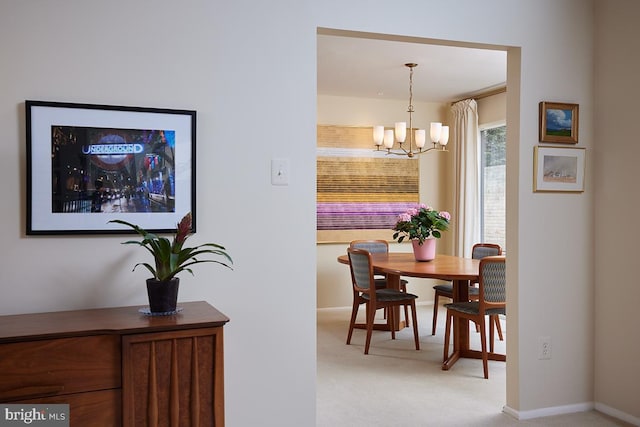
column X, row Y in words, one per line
column 498, row 327
column 354, row 314
column 435, row 313
column 494, row 320
column 392, row 321
column 447, row 331
column 483, row 343
column 371, row 312
column 491, row 333
column 403, row 288
column 406, row 316
column 414, row 317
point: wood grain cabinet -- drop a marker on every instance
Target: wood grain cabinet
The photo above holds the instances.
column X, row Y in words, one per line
column 118, row 367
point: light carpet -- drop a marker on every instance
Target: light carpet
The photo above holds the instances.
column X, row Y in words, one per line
column 397, row 386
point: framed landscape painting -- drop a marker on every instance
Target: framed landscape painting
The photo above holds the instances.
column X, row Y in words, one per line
column 558, row 169
column 88, row 164
column 558, row 122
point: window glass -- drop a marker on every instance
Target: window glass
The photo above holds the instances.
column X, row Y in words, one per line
column 492, row 184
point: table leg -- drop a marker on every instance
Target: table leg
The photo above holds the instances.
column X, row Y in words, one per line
column 393, row 282
column 460, row 327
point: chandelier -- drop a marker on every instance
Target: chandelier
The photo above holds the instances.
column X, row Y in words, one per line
column 439, row 134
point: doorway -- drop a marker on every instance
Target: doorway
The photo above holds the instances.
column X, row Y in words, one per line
column 333, row 279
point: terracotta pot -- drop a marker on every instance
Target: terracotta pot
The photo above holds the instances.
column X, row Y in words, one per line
column 163, row 295
column 426, row 251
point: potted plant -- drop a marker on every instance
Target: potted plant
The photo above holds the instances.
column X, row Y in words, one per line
column 422, row 225
column 171, row 258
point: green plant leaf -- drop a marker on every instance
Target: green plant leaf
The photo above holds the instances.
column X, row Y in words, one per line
column 171, row 258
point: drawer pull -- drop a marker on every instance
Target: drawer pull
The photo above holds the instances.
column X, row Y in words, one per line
column 33, row 392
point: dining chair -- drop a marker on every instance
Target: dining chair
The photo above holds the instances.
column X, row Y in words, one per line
column 365, row 292
column 380, row 246
column 479, row 251
column 491, row 302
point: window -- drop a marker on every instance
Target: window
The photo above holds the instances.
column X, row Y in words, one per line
column 492, row 183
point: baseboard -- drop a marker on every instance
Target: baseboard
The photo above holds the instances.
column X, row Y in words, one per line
column 547, row 412
column 569, row 409
column 622, row 416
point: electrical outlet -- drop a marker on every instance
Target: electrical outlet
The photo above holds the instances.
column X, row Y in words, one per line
column 544, row 348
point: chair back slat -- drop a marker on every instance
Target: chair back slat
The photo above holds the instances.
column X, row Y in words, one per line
column 481, row 250
column 361, row 269
column 492, row 281
column 373, row 246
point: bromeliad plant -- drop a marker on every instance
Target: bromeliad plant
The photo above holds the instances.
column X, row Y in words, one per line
column 172, row 258
column 420, row 223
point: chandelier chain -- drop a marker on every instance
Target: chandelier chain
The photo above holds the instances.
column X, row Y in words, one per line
column 410, row 109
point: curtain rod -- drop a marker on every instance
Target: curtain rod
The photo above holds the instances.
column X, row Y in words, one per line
column 484, row 94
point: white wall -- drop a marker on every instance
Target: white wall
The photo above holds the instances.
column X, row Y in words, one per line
column 548, row 247
column 617, row 347
column 247, row 66
column 492, row 109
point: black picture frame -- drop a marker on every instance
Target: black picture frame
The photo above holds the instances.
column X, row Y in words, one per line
column 88, row 164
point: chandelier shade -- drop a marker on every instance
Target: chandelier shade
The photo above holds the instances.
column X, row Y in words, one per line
column 387, row 138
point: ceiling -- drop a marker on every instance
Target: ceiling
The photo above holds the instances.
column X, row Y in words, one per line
column 374, row 68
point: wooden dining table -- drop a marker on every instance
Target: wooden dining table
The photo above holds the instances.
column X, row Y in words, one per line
column 460, row 271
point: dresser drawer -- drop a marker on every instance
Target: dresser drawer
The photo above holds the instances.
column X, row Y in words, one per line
column 93, row 409
column 59, row 366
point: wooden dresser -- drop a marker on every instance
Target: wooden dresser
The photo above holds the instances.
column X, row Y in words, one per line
column 117, row 366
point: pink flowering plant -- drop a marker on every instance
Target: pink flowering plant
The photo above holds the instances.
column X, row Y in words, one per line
column 172, row 257
column 420, row 223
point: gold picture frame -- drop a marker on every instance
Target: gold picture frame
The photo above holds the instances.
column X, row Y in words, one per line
column 557, row 169
column 558, row 122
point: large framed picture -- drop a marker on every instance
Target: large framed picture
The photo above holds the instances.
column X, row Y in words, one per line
column 88, row 164
column 558, row 122
column 558, row 169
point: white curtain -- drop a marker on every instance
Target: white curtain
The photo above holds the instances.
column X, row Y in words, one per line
column 466, row 147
